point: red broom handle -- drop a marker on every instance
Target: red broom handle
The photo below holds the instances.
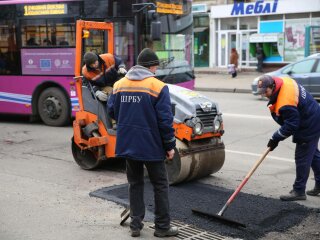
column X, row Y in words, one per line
column 244, row 181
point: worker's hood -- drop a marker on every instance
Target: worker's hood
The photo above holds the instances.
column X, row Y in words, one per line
column 139, row 73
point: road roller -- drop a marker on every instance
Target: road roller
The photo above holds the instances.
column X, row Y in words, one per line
column 198, row 125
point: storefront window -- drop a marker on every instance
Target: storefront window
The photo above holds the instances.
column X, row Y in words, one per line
column 315, row 14
column 248, row 23
column 271, row 17
column 228, row 24
column 315, row 22
column 297, row 15
column 294, row 39
column 201, row 21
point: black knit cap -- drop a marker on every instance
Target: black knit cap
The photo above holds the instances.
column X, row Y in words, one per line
column 90, row 58
column 148, row 58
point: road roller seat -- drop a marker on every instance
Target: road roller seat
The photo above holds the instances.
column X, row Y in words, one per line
column 93, row 105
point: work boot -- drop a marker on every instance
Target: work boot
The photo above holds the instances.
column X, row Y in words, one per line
column 293, row 196
column 135, row 232
column 172, row 231
column 315, row 191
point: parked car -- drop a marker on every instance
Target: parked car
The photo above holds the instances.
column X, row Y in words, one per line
column 306, row 72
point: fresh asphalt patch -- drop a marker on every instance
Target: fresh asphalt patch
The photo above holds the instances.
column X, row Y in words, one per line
column 260, row 214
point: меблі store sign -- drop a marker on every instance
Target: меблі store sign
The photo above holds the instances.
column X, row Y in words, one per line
column 258, row 8
column 255, row 8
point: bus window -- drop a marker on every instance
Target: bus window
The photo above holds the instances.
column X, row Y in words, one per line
column 9, row 57
column 124, row 41
column 95, row 43
column 48, row 33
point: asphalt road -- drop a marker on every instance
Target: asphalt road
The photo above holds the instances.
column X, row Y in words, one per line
column 45, row 195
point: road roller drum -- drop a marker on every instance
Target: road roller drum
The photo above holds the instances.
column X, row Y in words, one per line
column 200, row 160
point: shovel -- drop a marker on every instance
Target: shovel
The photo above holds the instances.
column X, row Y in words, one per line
column 124, row 216
column 219, row 215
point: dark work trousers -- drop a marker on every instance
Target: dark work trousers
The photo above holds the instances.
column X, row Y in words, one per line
column 306, row 155
column 159, row 179
column 234, row 74
column 259, row 65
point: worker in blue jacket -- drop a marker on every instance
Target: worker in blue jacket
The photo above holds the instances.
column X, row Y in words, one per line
column 293, row 108
column 141, row 105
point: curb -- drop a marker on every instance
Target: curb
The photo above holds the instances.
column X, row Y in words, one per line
column 227, row 90
column 209, row 72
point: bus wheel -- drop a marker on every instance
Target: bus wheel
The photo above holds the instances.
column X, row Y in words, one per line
column 53, row 107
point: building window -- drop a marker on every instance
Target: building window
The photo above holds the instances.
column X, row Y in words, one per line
column 294, row 39
column 315, row 14
column 297, row 15
column 248, row 23
column 201, row 21
column 228, row 24
column 271, row 17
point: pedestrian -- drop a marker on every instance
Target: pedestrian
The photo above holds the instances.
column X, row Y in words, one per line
column 293, row 108
column 141, row 105
column 234, row 56
column 260, row 57
column 102, row 71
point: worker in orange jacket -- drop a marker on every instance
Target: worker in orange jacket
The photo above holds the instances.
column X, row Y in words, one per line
column 102, row 71
column 298, row 114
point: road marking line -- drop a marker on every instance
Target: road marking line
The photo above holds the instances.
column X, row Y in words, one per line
column 259, row 155
column 246, row 116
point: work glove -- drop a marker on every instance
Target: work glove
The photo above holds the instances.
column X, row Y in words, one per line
column 101, row 96
column 122, row 71
column 272, row 144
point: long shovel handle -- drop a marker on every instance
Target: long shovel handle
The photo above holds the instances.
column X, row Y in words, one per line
column 244, row 181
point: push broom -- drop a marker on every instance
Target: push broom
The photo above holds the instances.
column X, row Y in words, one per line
column 219, row 215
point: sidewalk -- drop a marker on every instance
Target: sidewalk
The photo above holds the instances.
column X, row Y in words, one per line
column 218, row 80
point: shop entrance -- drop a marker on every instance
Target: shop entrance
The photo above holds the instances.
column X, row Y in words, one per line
column 227, row 40
column 246, row 59
column 241, row 42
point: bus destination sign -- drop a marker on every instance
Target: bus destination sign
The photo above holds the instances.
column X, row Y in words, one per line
column 169, row 8
column 45, row 9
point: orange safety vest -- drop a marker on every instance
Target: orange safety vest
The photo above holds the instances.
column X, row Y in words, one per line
column 109, row 62
column 150, row 85
column 288, row 95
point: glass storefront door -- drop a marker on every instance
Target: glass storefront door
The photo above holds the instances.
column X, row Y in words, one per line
column 227, row 41
column 222, row 52
column 245, row 58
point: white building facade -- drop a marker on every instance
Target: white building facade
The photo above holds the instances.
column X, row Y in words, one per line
column 287, row 30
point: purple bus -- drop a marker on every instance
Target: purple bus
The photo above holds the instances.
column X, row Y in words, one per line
column 37, row 49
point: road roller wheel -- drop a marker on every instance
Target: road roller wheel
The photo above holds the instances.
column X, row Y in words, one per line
column 86, row 159
column 193, row 163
